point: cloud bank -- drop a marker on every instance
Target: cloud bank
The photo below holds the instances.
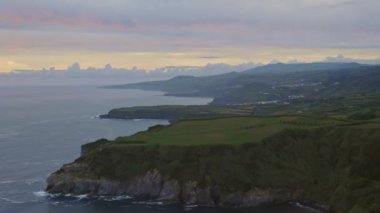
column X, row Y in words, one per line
column 183, row 30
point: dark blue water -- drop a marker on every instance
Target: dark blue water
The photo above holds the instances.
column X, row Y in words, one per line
column 42, row 128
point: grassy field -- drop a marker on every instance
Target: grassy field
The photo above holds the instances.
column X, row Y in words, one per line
column 339, row 106
column 233, row 130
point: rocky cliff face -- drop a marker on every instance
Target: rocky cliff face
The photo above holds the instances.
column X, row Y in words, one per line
column 334, row 166
column 155, row 187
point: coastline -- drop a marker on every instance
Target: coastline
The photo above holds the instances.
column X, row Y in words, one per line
column 155, row 189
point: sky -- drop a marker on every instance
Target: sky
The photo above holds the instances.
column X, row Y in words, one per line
column 154, row 33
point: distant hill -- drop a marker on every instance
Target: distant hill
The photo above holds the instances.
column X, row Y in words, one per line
column 274, row 82
column 318, row 66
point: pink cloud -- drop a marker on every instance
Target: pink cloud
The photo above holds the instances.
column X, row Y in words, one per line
column 39, row 17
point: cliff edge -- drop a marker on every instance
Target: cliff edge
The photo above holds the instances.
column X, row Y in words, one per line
column 334, row 168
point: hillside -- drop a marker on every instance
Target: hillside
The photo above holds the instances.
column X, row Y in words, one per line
column 302, row 67
column 279, row 82
column 331, row 89
column 320, row 162
column 304, row 85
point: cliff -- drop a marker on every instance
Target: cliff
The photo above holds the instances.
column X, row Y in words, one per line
column 330, row 166
column 154, row 186
column 176, row 112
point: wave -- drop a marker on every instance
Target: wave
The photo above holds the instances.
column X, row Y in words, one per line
column 41, row 194
column 11, row 200
column 80, row 197
column 115, row 198
column 44, row 194
column 8, row 181
column 29, row 181
column 299, row 205
column 49, row 195
column 150, row 203
column 189, row 207
column 96, row 116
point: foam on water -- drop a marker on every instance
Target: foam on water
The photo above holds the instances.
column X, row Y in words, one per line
column 41, row 194
column 96, row 116
column 190, row 207
column 49, row 195
column 297, row 204
column 11, row 200
column 116, row 198
column 79, row 197
column 82, row 196
column 150, row 203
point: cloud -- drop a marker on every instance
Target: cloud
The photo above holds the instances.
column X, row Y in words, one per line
column 209, row 57
column 343, row 59
column 208, row 27
column 132, row 15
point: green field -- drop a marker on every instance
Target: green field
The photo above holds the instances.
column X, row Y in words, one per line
column 338, row 106
column 233, row 130
column 177, row 112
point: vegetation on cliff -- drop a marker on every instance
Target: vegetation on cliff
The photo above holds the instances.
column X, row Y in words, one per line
column 232, row 130
column 177, row 112
column 324, row 160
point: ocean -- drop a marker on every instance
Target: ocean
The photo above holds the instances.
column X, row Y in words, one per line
column 43, row 127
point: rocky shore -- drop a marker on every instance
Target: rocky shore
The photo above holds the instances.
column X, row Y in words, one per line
column 155, row 187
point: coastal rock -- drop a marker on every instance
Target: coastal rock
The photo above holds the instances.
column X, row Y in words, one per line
column 76, row 179
column 193, row 195
column 256, row 197
column 170, row 191
column 146, row 187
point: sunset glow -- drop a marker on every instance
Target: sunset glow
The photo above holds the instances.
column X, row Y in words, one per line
column 151, row 34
